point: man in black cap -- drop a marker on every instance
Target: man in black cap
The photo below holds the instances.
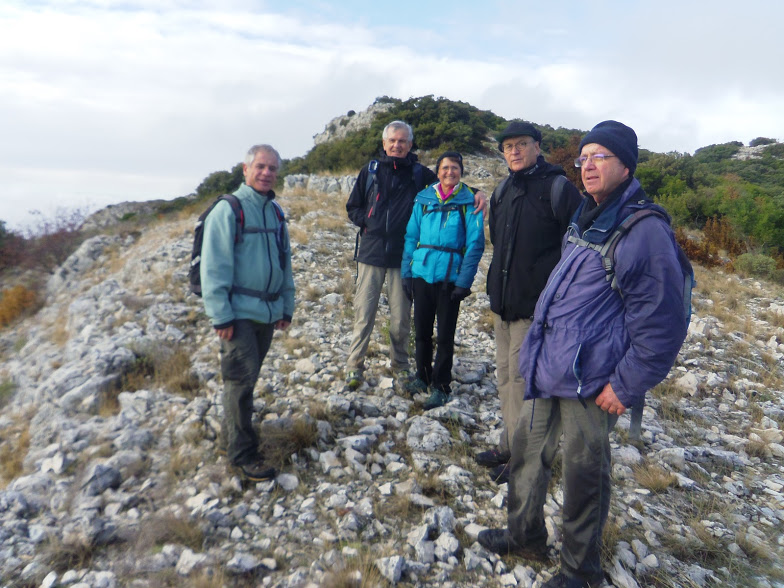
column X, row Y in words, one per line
column 529, row 213
column 606, row 328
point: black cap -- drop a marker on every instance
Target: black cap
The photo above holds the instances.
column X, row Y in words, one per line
column 618, row 138
column 519, row 129
column 451, row 155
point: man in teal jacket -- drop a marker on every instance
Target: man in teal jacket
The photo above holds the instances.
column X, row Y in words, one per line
column 248, row 292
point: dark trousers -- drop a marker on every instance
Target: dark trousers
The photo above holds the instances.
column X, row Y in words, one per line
column 431, row 302
column 241, row 360
column 586, row 478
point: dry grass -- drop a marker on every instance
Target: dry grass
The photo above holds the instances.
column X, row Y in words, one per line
column 14, row 444
column 159, row 529
column 397, row 507
column 15, row 303
column 183, row 462
column 7, row 388
column 654, row 477
column 756, row 449
column 299, row 235
column 62, row 557
column 279, row 443
column 357, row 572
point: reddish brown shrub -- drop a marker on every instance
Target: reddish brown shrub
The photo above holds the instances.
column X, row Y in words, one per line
column 14, row 302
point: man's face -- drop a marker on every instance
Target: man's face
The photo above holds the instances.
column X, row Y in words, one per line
column 600, row 178
column 262, row 173
column 397, row 144
column 520, row 152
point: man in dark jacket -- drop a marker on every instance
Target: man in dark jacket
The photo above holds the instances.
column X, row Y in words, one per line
column 595, row 346
column 380, row 204
column 529, row 214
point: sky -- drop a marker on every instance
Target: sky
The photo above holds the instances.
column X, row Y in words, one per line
column 108, row 101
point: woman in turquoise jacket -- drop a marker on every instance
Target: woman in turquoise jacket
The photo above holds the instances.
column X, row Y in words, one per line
column 443, row 246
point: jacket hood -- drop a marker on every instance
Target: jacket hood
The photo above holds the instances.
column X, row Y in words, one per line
column 430, row 195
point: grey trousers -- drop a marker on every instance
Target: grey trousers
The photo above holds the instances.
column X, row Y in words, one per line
column 241, row 360
column 370, row 281
column 586, row 479
column 509, row 337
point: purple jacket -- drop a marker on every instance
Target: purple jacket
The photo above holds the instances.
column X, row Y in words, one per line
column 584, row 334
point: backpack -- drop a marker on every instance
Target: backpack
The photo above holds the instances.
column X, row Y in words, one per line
column 194, row 272
column 607, row 251
column 556, row 190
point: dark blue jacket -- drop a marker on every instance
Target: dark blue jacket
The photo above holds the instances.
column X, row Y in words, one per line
column 584, row 334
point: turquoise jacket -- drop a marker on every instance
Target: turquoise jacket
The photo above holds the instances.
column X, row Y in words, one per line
column 253, row 263
column 441, row 243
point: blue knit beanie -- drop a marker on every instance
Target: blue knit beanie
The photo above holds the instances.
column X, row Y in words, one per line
column 618, row 138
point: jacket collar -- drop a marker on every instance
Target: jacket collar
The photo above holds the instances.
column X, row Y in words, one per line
column 595, row 223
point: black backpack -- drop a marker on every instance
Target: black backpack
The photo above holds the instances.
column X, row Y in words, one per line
column 194, row 272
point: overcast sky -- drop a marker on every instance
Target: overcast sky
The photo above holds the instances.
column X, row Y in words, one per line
column 104, row 101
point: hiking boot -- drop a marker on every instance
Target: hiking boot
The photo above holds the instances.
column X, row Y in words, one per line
column 492, row 458
column 257, row 470
column 500, row 474
column 437, row 398
column 413, row 386
column 501, row 542
column 353, row 379
column 561, row 580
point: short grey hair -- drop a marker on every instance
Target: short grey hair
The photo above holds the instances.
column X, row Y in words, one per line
column 269, row 149
column 398, row 125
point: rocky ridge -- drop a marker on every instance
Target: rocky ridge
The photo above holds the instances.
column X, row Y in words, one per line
column 119, row 482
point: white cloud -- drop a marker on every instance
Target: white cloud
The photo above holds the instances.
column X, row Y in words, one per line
column 146, row 100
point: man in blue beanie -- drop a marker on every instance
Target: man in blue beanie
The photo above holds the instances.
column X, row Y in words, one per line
column 597, row 343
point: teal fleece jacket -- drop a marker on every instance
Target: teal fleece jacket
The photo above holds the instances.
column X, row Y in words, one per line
column 433, row 226
column 254, row 262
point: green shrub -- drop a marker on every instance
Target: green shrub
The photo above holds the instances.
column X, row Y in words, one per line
column 755, row 265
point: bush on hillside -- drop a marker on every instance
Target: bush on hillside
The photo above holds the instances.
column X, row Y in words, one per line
column 761, row 141
column 44, row 247
column 14, row 303
column 755, row 265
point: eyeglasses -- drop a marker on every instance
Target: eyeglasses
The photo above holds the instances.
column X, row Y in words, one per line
column 596, row 158
column 519, row 146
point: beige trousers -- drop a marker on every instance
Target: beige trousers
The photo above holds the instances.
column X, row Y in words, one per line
column 370, row 281
column 511, row 386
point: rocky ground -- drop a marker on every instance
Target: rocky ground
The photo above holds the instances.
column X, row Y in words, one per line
column 110, row 475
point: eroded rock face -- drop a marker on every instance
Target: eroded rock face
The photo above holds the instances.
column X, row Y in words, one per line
column 119, row 463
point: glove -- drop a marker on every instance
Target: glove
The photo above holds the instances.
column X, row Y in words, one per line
column 459, row 294
column 408, row 288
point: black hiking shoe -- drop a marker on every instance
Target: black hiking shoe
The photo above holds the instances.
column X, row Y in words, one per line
column 437, row 398
column 501, row 542
column 412, row 386
column 561, row 580
column 492, row 458
column 500, row 474
column 353, row 379
column 257, row 470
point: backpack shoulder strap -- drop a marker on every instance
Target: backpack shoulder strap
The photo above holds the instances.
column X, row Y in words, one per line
column 607, row 249
column 372, row 177
column 556, row 193
column 239, row 215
